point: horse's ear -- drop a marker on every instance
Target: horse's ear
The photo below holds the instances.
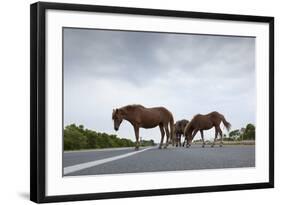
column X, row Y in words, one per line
column 113, row 113
column 116, row 110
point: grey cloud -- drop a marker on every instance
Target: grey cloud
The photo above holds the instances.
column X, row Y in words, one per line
column 131, row 54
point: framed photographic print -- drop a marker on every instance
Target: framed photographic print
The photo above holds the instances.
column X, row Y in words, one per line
column 129, row 102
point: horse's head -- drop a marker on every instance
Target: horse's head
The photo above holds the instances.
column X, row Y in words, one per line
column 117, row 118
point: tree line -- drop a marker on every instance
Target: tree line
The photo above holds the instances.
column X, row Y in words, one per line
column 247, row 133
column 77, row 138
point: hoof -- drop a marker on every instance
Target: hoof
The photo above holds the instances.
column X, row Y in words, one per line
column 220, row 145
column 203, row 146
column 159, row 147
column 212, row 145
column 165, row 147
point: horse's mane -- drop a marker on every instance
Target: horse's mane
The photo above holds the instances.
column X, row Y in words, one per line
column 196, row 116
column 190, row 123
column 132, row 106
column 185, row 121
column 187, row 128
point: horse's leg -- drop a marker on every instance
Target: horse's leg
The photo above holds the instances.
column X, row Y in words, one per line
column 220, row 132
column 162, row 136
column 177, row 142
column 173, row 140
column 184, row 139
column 216, row 135
column 180, row 140
column 190, row 140
column 187, row 141
column 202, row 136
column 136, row 128
column 167, row 135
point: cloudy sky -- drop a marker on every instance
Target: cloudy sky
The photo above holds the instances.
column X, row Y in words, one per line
column 187, row 74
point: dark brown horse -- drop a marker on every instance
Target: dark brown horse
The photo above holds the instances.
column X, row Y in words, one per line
column 142, row 117
column 178, row 130
column 205, row 122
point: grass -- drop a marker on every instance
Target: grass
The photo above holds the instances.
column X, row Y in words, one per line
column 245, row 142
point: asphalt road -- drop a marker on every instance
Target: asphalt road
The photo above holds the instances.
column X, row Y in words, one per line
column 151, row 159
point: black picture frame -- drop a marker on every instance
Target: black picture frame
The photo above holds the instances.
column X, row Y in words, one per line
column 38, row 100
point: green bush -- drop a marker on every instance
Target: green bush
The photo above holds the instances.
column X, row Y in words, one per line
column 145, row 143
column 74, row 139
column 77, row 137
column 249, row 133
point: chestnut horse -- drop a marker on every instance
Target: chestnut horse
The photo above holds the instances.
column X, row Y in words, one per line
column 205, row 122
column 178, row 130
column 142, row 117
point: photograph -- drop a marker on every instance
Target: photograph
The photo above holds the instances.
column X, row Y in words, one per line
column 134, row 102
column 144, row 101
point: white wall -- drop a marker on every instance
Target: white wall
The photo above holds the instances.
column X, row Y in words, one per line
column 14, row 103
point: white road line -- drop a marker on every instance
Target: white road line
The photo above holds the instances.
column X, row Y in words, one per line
column 78, row 167
column 99, row 150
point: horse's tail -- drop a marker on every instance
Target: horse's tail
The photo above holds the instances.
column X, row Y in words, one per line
column 226, row 124
column 172, row 133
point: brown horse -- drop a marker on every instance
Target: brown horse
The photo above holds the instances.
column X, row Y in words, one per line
column 205, row 122
column 178, row 130
column 142, row 117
